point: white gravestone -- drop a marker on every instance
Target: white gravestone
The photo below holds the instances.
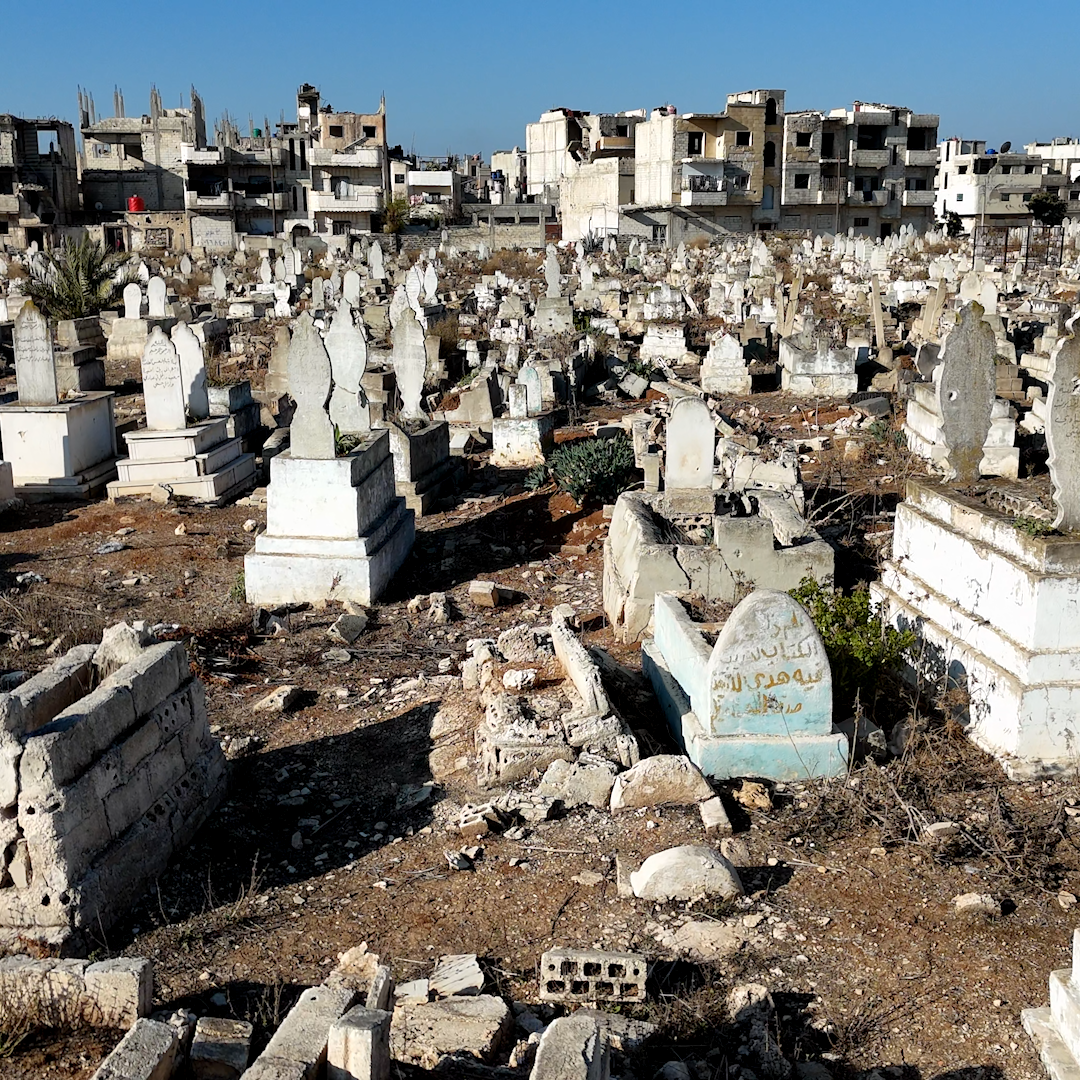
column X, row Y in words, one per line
column 192, row 370
column 691, row 446
column 410, row 363
column 155, row 298
column 311, row 434
column 534, row 390
column 35, row 371
column 966, row 392
column 163, row 388
column 220, row 283
column 351, row 288
column 1063, row 432
column 551, row 274
column 347, row 350
column 431, row 285
column 375, row 262
column 132, row 300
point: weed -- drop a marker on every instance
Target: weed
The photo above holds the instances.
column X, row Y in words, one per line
column 1033, row 527
column 238, row 592
column 513, row 263
column 590, row 471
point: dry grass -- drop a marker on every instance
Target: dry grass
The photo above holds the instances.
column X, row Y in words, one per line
column 513, row 263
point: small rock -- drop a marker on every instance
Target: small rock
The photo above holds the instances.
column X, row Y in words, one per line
column 975, row 904
column 689, row 872
column 662, row 779
column 519, row 679
column 348, row 628
column 457, row 861
column 250, row 525
column 714, row 818
column 942, row 832
column 278, row 701
column 589, row 878
column 110, row 547
column 160, row 494
column 457, row 975
column 753, row 796
column 484, row 593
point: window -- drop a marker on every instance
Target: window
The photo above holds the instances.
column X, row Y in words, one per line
column 862, row 222
column 770, row 112
column 341, row 228
column 369, row 131
column 802, row 181
column 916, row 183
column 960, row 197
column 828, row 142
column 1027, row 196
column 659, row 234
column 742, row 138
column 802, row 138
column 694, row 141
column 399, row 178
column 102, row 149
column 1029, row 169
column 961, row 169
column 1053, row 191
column 1074, row 196
column 1006, row 196
column 622, row 131
column 769, row 157
column 921, row 138
column 1005, row 169
column 337, row 131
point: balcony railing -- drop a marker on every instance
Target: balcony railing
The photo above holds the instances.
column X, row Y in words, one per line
column 924, row 158
column 919, row 198
column 868, row 198
column 224, row 200
column 870, row 159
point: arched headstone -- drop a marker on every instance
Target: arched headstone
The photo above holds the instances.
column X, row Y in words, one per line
column 311, row 434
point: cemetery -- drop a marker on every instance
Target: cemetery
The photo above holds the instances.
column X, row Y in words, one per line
column 579, row 660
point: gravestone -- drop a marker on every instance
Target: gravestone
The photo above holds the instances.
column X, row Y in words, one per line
column 185, row 265
column 551, row 274
column 375, row 262
column 966, row 392
column 266, row 271
column 357, row 252
column 35, row 370
column 347, row 350
column 311, row 434
column 277, row 373
column 691, row 447
column 519, row 402
column 410, row 363
column 586, row 276
column 334, row 281
column 768, row 673
column 431, row 285
column 1063, row 432
column 279, row 269
column 399, row 303
column 318, row 293
column 351, row 288
column 192, row 371
column 132, row 300
column 414, row 286
column 282, row 296
column 530, row 379
column 163, row 388
column 220, row 283
column 155, row 298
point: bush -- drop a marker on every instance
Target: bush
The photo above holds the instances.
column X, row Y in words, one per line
column 590, row 471
column 857, row 640
column 78, row 280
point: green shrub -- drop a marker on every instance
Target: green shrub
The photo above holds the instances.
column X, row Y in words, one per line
column 590, row 471
column 856, row 638
column 1033, row 527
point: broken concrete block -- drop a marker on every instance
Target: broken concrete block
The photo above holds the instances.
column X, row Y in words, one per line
column 147, row 1052
column 572, row 1048
column 359, row 1047
column 298, row 1047
column 591, row 975
column 425, row 1032
column 456, row 976
column 577, row 784
column 277, row 701
column 714, row 817
column 662, row 779
column 484, row 593
column 220, row 1048
column 689, row 872
column 348, row 628
column 120, row 644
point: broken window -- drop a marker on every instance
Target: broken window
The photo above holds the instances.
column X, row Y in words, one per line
column 871, row 137
column 770, row 154
column 369, row 131
column 916, row 183
column 622, row 131
column 694, row 141
column 828, row 142
column 337, row 131
column 339, row 185
column 803, row 138
column 802, row 181
column 1074, row 196
column 961, row 169
column 742, row 138
column 921, row 138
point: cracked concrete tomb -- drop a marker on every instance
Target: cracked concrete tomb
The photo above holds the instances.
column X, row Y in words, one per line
column 107, row 767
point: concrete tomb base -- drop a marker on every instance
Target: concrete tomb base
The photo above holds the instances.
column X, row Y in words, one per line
column 199, row 462
column 1056, row 1030
column 999, row 615
column 423, row 468
column 335, row 530
column 63, row 451
column 522, row 442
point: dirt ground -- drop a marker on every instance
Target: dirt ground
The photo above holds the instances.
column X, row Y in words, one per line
column 857, row 937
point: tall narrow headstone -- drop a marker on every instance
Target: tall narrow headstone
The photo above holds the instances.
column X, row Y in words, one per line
column 1063, row 432
column 220, row 283
column 350, row 288
column 431, row 285
column 163, row 388
column 35, row 371
column 266, row 271
column 551, row 274
column 375, row 262
column 691, row 446
column 132, row 300
column 192, row 370
column 155, row 298
column 347, row 350
column 399, row 302
column 966, row 392
column 410, row 363
column 318, row 293
column 534, row 390
column 185, row 265
column 311, row 434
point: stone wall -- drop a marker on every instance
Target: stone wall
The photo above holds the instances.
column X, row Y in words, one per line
column 106, row 769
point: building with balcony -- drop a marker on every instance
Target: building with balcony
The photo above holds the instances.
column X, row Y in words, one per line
column 987, row 187
column 1063, row 157
column 39, row 182
column 869, row 169
column 431, row 185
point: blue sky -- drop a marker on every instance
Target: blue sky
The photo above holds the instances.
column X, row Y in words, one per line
column 468, row 77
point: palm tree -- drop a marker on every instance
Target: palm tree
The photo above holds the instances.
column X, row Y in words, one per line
column 78, row 280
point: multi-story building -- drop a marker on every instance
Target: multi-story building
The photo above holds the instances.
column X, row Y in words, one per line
column 1063, row 156
column 563, row 139
column 431, row 185
column 39, row 183
column 986, row 187
column 755, row 167
column 509, row 181
column 869, row 168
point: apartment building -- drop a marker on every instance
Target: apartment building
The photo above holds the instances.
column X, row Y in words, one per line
column 39, row 184
column 987, row 187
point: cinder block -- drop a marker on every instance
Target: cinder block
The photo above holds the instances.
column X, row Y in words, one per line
column 147, row 1052
column 154, row 676
column 300, row 1041
column 359, row 1046
column 220, row 1049
column 592, row 975
column 118, row 991
column 49, row 692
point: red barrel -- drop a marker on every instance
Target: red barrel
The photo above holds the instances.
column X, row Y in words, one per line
column 136, row 204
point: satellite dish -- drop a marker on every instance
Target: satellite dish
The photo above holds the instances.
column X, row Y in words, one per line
column 98, row 206
column 1006, row 146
